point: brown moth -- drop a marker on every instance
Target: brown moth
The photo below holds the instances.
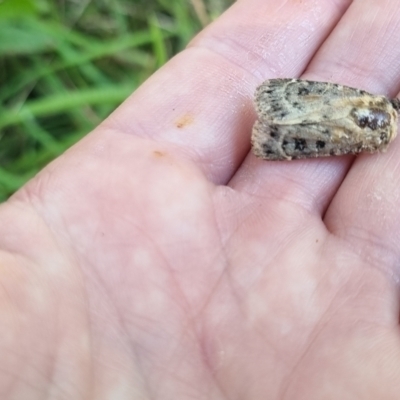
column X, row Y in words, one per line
column 305, row 119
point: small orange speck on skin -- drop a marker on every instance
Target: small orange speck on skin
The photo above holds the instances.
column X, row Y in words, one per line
column 158, row 153
column 184, row 121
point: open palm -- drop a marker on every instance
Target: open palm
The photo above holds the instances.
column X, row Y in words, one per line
column 159, row 259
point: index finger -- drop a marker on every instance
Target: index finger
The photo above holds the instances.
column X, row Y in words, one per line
column 200, row 103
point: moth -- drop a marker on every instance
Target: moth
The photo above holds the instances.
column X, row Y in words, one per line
column 305, row 119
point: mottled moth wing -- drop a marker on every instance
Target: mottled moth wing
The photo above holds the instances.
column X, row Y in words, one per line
column 303, row 119
column 297, row 101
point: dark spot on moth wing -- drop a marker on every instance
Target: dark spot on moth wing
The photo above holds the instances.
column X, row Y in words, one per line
column 300, row 144
column 380, row 103
column 373, row 124
column 373, row 118
column 326, row 132
column 320, row 144
column 275, row 108
column 362, row 122
column 274, row 132
column 303, row 91
column 378, row 119
column 267, row 149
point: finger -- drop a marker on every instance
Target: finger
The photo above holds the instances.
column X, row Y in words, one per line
column 365, row 211
column 348, row 56
column 200, row 103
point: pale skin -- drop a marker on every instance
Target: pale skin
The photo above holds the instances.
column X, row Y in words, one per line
column 159, row 259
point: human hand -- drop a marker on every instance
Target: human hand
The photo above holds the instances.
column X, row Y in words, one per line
column 159, row 259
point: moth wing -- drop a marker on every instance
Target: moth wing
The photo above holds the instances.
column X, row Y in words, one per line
column 287, row 142
column 294, row 101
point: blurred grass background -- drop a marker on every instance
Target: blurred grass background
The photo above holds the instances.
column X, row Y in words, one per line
column 66, row 64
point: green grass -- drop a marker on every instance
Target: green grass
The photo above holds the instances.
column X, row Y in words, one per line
column 65, row 65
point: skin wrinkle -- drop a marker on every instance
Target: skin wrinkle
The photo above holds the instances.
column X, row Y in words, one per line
column 222, row 43
column 380, row 245
column 356, row 67
column 328, row 204
column 286, row 386
column 203, row 341
column 342, row 6
column 308, row 205
column 192, row 318
column 95, row 279
column 314, row 334
column 320, row 327
column 392, row 89
column 380, row 253
column 355, row 27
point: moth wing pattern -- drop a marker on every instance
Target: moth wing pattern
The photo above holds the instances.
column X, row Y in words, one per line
column 294, row 142
column 304, row 119
column 294, row 100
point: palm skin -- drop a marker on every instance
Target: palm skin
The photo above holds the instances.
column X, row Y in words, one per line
column 158, row 259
